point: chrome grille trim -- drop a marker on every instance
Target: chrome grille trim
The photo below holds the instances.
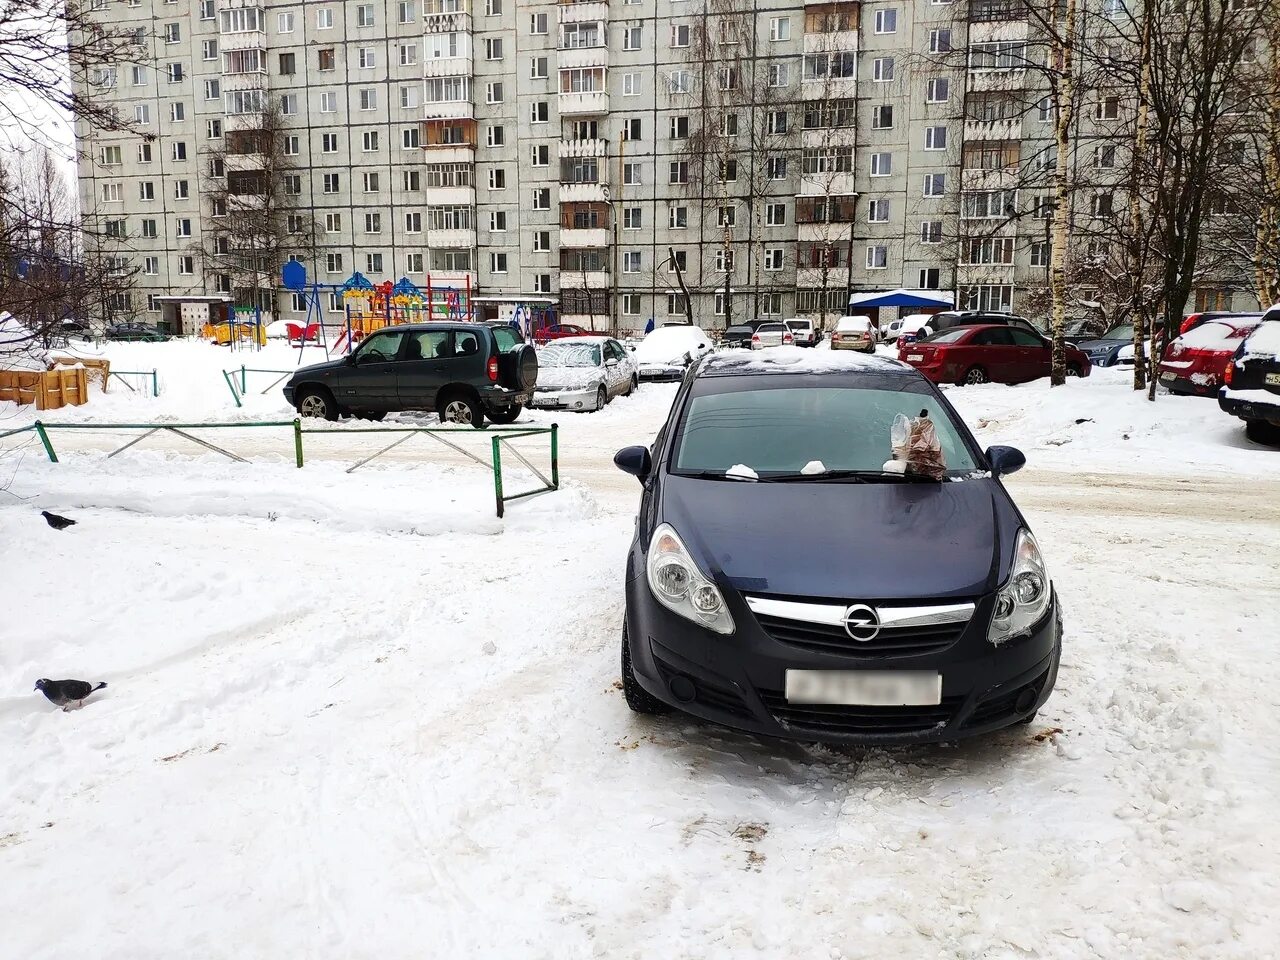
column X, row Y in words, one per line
column 890, row 617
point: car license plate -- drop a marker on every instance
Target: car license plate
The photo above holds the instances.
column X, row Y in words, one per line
column 1273, row 379
column 522, row 398
column 915, row 356
column 865, row 688
column 1168, row 377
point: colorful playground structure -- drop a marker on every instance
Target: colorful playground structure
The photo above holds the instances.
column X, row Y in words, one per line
column 368, row 306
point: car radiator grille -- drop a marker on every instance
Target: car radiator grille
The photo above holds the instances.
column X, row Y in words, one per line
column 824, row 719
column 892, row 641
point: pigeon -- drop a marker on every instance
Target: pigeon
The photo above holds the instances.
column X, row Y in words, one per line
column 55, row 521
column 64, row 693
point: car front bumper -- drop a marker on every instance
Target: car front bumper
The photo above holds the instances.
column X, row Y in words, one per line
column 739, row 680
column 661, row 372
column 577, row 398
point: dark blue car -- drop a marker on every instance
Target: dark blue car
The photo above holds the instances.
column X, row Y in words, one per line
column 787, row 579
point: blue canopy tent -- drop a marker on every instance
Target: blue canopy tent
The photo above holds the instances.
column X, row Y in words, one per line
column 912, row 299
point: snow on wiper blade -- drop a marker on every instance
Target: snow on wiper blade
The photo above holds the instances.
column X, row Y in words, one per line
column 716, row 475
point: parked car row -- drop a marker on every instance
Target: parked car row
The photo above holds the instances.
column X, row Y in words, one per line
column 1251, row 380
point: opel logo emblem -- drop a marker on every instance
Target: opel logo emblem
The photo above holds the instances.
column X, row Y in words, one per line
column 861, row 623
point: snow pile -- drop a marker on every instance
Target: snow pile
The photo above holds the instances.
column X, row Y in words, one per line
column 19, row 347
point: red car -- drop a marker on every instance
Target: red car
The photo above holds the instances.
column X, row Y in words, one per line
column 987, row 353
column 559, row 331
column 1196, row 362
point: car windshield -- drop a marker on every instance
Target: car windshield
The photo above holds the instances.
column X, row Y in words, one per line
column 570, row 355
column 1122, row 331
column 781, row 430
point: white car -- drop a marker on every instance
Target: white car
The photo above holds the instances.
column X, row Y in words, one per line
column 803, row 332
column 855, row 332
column 919, row 323
column 666, row 353
column 775, row 334
column 583, row 374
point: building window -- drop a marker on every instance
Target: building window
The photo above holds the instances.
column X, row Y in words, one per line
column 497, row 261
column 367, row 58
column 630, row 84
column 182, row 227
column 332, row 182
column 209, row 50
column 542, row 198
column 538, row 112
column 680, row 34
column 631, row 174
column 370, row 180
column 677, row 304
column 631, row 261
column 180, row 150
column 364, row 15
column 775, row 122
column 411, row 180
column 497, row 179
column 878, row 211
column 678, row 172
column 935, row 184
column 940, row 41
column 1104, row 157
column 333, row 223
column 329, row 102
column 678, row 218
column 284, row 23
column 173, row 34
column 631, row 304
column 493, row 48
column 373, row 223
column 538, row 24
column 775, row 215
column 333, row 262
column 413, row 222
column 149, row 229
column 632, row 218
column 877, row 257
column 151, row 266
column 631, row 128
column 1040, row 250
column 997, row 298
column 679, row 128
column 938, row 90
column 142, row 113
column 1108, row 108
column 541, row 155
column 726, row 216
column 289, row 104
column 542, row 241
column 773, row 258
column 882, row 69
column 1102, row 204
column 881, row 164
column 931, row 231
column 174, row 72
column 369, row 98
column 631, row 38
column 775, row 168
column 779, row 28
column 882, row 116
column 679, row 81
column 935, row 138
column 329, row 143
column 538, row 68
column 498, row 221
column 496, row 135
column 186, row 265
column 930, row 278
column 406, row 11
column 680, row 262
column 410, row 138
column 146, row 190
column 324, row 18
column 778, row 75
column 887, row 20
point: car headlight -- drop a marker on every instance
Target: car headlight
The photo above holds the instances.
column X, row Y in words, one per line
column 1024, row 599
column 681, row 587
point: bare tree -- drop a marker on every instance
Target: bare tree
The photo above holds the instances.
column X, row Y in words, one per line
column 253, row 219
column 54, row 58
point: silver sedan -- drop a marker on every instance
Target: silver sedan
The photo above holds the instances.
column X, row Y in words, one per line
column 583, row 374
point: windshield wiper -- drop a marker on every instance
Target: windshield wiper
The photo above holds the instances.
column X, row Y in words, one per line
column 848, row 476
column 716, row 475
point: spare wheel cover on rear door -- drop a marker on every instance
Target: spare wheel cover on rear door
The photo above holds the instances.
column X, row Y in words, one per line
column 518, row 368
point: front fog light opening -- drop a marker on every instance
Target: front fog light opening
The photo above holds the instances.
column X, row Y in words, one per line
column 679, row 585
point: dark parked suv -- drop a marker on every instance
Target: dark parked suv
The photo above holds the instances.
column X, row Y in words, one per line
column 465, row 372
column 861, row 603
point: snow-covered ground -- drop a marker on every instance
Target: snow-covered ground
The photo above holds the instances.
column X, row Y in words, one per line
column 355, row 715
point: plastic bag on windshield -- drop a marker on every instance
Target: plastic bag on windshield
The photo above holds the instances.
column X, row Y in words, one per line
column 915, row 445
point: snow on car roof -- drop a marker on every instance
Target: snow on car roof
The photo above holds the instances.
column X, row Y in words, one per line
column 1220, row 335
column 594, row 340
column 799, row 360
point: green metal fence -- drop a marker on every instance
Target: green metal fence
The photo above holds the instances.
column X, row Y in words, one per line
column 146, row 378
column 239, row 385
column 500, row 439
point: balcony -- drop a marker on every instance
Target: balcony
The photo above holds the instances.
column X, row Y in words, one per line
column 1009, row 129
column 592, row 238
column 449, row 196
column 454, row 239
column 576, row 58
column 242, row 40
column 827, row 184
column 584, row 192
column 571, row 12
column 447, row 67
column 570, row 149
column 448, row 110
column 446, row 17
column 455, row 140
column 595, row 103
column 1005, row 178
column 590, row 280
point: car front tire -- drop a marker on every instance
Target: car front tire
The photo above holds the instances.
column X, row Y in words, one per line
column 317, row 403
column 638, row 699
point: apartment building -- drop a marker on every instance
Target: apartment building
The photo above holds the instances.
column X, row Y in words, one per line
column 571, row 154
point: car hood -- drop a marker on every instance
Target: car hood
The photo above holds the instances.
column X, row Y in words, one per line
column 568, row 378
column 319, row 369
column 1096, row 345
column 846, row 542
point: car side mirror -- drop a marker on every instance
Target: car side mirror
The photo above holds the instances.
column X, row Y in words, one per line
column 635, row 461
column 611, row 362
column 351, row 359
column 1005, row 460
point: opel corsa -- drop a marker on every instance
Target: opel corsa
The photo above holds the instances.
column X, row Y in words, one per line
column 789, row 577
